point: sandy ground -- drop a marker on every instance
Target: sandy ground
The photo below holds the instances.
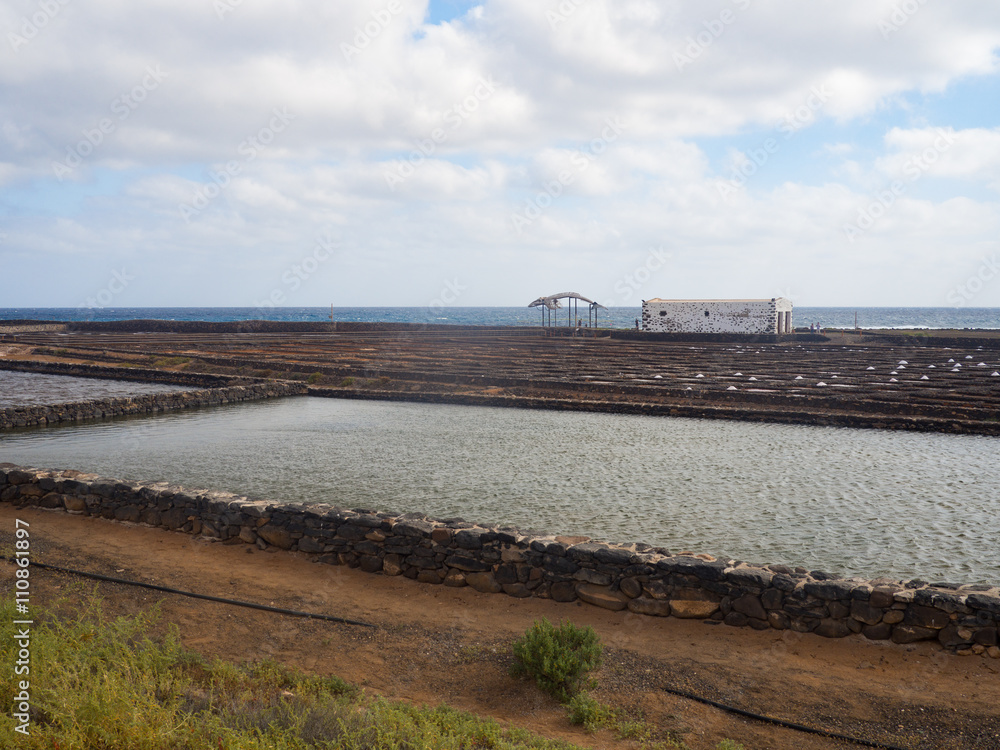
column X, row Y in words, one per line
column 433, row 644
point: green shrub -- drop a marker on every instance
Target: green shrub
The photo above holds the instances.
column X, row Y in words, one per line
column 589, row 712
column 315, row 378
column 347, row 382
column 558, row 659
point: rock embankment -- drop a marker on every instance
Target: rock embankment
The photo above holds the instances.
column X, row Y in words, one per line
column 518, row 563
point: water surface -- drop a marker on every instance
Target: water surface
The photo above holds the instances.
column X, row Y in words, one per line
column 35, row 389
column 853, row 502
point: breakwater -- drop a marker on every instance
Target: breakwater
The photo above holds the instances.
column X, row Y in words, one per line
column 506, row 560
column 212, row 390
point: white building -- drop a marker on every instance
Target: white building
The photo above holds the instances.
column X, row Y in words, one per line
column 754, row 316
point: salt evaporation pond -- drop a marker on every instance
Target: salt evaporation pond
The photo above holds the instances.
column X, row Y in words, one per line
column 852, row 502
column 35, row 389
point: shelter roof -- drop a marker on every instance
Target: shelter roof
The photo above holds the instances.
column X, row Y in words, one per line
column 552, row 300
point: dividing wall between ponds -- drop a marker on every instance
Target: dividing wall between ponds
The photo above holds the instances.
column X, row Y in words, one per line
column 517, row 563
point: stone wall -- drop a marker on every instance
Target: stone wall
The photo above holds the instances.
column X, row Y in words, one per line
column 717, row 316
column 13, row 327
column 270, row 326
column 630, row 334
column 506, row 560
column 80, row 411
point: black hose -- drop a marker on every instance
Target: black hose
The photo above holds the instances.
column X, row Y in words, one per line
column 206, row 597
column 781, row 722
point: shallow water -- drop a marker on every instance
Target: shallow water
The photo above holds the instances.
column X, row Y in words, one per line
column 34, row 389
column 853, row 502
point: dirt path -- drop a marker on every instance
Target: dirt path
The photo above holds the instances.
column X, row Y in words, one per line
column 434, row 644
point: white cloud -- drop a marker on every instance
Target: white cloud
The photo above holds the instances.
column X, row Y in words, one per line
column 972, row 154
column 486, row 111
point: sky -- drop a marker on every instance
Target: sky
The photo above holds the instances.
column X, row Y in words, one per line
column 258, row 153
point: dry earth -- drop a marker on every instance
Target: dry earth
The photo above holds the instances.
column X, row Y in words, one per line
column 434, row 644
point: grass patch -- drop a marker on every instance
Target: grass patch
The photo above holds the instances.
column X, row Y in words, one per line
column 585, row 710
column 49, row 352
column 104, row 683
column 170, row 361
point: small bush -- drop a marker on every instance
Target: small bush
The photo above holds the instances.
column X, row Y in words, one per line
column 558, row 659
column 314, row 378
column 585, row 710
column 347, row 382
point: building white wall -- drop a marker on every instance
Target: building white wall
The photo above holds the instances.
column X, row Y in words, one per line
column 754, row 316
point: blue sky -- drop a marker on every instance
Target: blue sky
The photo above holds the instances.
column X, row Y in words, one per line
column 440, row 11
column 384, row 152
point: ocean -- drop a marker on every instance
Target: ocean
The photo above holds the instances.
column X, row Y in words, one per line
column 615, row 317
